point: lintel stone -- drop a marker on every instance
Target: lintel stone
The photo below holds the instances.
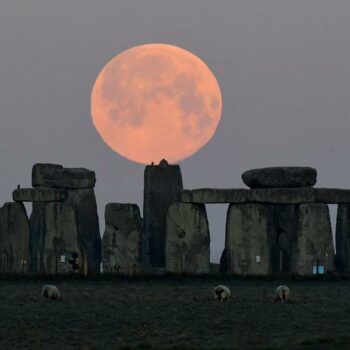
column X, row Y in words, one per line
column 39, row 195
column 267, row 195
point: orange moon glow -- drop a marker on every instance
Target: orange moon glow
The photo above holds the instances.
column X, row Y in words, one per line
column 156, row 101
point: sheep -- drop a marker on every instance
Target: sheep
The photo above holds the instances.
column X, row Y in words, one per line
column 221, row 292
column 50, row 292
column 282, row 293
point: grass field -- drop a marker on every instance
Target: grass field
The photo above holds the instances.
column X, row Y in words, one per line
column 175, row 313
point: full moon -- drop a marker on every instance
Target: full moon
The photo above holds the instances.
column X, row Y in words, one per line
column 156, row 101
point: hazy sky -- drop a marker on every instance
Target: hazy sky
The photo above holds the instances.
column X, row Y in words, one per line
column 283, row 68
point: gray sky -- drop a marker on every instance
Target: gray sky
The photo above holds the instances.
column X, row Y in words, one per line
column 283, row 68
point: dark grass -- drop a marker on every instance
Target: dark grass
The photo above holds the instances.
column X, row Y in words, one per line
column 174, row 312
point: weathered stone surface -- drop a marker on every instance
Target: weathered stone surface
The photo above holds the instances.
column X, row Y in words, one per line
column 14, row 239
column 41, row 170
column 342, row 237
column 187, row 239
column 88, row 228
column 315, row 240
column 162, row 187
column 49, row 216
column 278, row 177
column 215, row 195
column 39, row 195
column 246, row 245
column 240, row 195
column 61, row 239
column 37, row 236
column 281, row 195
column 121, row 242
column 267, row 195
column 53, row 175
column 331, row 195
column 282, row 230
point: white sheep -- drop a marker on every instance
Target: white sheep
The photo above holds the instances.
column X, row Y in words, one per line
column 50, row 292
column 222, row 292
column 282, row 293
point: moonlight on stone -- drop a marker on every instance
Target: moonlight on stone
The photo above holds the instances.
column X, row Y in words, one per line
column 156, row 101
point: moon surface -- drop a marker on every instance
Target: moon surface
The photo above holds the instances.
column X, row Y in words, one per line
column 156, row 101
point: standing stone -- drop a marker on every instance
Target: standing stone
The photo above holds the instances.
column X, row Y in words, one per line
column 88, row 228
column 275, row 177
column 80, row 197
column 246, row 244
column 315, row 240
column 61, row 242
column 121, row 242
column 162, row 187
column 282, row 230
column 187, row 239
column 342, row 237
column 37, row 236
column 14, row 239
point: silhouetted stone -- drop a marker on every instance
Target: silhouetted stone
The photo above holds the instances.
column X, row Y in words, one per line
column 339, row 263
column 162, row 187
column 187, row 239
column 240, row 195
column 39, row 195
column 342, row 235
column 246, row 242
column 41, row 171
column 215, row 195
column 14, row 239
column 121, row 242
column 53, row 175
column 223, row 262
column 88, row 227
column 267, row 195
column 282, row 231
column 278, row 177
column 52, row 216
column 37, row 236
column 281, row 195
column 331, row 195
column 61, row 239
column 315, row 240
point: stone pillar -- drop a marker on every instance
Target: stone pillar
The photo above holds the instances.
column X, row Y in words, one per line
column 80, row 196
column 121, row 242
column 282, row 229
column 37, row 236
column 246, row 244
column 14, row 239
column 162, row 187
column 315, row 240
column 88, row 227
column 61, row 250
column 342, row 237
column 187, row 239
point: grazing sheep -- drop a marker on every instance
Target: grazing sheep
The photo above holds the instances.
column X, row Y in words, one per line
column 282, row 293
column 50, row 292
column 221, row 292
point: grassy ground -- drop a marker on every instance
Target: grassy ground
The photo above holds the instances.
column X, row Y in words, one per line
column 175, row 313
